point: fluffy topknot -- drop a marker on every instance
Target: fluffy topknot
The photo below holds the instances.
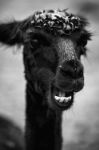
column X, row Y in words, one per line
column 56, row 21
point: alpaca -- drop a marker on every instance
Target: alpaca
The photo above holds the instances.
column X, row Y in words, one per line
column 54, row 41
column 11, row 137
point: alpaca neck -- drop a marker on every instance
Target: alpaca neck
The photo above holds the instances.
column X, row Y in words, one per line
column 43, row 125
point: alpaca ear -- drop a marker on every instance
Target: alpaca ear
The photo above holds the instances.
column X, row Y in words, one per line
column 11, row 33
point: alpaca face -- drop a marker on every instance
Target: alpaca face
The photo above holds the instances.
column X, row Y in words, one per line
column 53, row 66
column 54, row 42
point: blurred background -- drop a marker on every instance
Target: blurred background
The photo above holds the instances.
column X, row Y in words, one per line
column 81, row 122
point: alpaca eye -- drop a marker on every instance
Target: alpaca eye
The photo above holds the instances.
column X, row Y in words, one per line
column 82, row 42
column 35, row 41
column 83, row 51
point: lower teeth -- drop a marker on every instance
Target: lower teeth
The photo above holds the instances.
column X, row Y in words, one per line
column 62, row 99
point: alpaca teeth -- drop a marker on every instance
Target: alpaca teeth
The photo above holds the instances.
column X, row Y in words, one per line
column 62, row 99
column 57, row 98
column 67, row 99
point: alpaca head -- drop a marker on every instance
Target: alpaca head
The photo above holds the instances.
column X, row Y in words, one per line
column 54, row 45
column 54, row 42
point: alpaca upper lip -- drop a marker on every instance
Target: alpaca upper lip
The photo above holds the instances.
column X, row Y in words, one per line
column 61, row 92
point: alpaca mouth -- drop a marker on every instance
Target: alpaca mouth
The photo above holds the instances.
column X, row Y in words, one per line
column 63, row 99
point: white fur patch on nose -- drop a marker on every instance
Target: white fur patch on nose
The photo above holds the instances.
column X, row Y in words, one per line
column 66, row 48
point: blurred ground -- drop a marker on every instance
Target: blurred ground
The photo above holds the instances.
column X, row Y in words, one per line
column 80, row 123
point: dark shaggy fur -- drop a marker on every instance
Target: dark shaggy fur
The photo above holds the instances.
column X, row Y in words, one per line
column 53, row 72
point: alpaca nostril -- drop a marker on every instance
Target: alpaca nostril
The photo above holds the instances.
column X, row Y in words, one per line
column 72, row 69
column 66, row 72
column 80, row 74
